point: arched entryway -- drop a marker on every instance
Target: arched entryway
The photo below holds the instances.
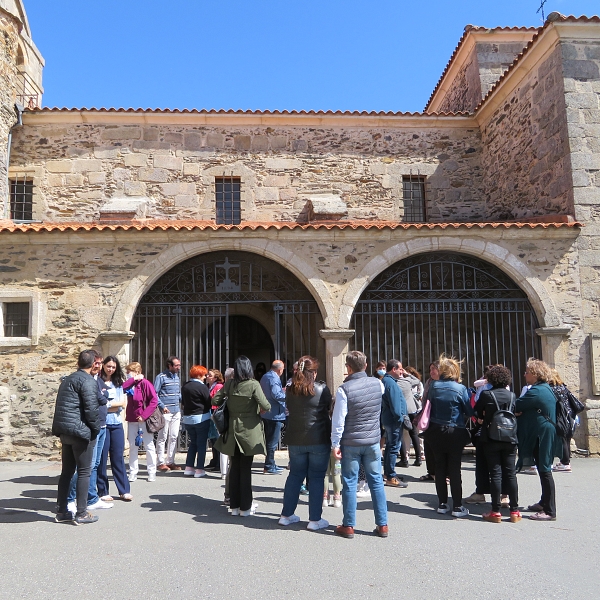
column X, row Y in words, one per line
column 214, row 306
column 446, row 302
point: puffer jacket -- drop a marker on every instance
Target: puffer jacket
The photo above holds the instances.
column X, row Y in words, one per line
column 309, row 423
column 76, row 410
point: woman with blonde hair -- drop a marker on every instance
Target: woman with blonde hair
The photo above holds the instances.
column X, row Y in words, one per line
column 308, row 436
column 447, row 434
column 141, row 402
column 538, row 441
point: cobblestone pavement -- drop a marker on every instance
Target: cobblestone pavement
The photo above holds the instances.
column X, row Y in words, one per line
column 176, row 540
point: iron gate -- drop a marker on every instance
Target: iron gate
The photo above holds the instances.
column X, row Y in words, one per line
column 446, row 302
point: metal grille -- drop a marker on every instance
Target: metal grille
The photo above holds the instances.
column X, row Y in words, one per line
column 21, row 199
column 190, row 311
column 16, row 319
column 228, row 203
column 413, row 195
column 445, row 302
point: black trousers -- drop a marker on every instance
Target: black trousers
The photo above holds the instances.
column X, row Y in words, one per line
column 429, row 457
column 566, row 457
column 548, row 499
column 76, row 454
column 240, row 480
column 416, row 442
column 500, row 459
column 447, row 444
column 482, row 471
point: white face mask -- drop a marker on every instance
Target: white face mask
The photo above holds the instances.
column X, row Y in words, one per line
column 381, row 372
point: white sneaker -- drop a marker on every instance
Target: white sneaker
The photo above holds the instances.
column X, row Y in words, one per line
column 285, row 521
column 531, row 470
column 248, row 513
column 152, row 477
column 337, row 503
column 461, row 511
column 443, row 509
column 100, row 504
column 560, row 467
column 316, row 525
column 235, row 512
column 362, row 491
column 200, row 473
column 224, row 476
column 326, row 501
column 132, row 477
column 189, row 471
column 72, row 507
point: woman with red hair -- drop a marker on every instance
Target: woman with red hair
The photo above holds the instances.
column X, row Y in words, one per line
column 196, row 418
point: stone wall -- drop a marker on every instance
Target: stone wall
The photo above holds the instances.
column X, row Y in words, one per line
column 464, row 93
column 81, row 278
column 78, row 168
column 581, row 68
column 525, row 155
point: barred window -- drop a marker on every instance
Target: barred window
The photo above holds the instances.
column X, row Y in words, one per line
column 228, row 204
column 21, row 199
column 413, row 194
column 16, row 319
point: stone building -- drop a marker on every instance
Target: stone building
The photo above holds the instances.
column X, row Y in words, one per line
column 471, row 228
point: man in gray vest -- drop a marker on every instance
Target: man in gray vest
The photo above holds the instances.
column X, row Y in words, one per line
column 355, row 438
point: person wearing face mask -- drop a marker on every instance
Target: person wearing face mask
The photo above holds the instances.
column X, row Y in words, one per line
column 434, row 375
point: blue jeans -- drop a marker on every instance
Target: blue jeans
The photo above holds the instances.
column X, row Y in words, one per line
column 272, row 437
column 198, row 437
column 311, row 462
column 96, row 457
column 370, row 458
column 393, row 435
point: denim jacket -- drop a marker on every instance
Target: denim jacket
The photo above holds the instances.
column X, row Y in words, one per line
column 450, row 403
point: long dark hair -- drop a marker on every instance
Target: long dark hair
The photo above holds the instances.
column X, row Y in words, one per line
column 303, row 380
column 242, row 369
column 118, row 377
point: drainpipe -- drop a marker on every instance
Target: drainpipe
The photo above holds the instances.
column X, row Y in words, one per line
column 19, row 111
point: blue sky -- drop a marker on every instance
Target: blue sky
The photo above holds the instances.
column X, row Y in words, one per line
column 259, row 54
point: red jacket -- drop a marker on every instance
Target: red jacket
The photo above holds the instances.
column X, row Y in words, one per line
column 143, row 402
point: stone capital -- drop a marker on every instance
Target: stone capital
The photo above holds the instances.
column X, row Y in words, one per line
column 116, row 336
column 336, row 334
column 561, row 330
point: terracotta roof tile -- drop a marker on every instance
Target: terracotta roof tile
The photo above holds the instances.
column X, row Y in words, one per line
column 153, row 225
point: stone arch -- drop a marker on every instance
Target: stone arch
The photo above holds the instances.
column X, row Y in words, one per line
column 516, row 269
column 122, row 316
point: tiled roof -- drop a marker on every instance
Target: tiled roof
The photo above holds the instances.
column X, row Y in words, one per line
column 231, row 111
column 164, row 225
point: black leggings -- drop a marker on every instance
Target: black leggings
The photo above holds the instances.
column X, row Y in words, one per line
column 240, row 480
column 548, row 499
column 76, row 453
column 566, row 458
column 416, row 442
column 447, row 444
column 500, row 458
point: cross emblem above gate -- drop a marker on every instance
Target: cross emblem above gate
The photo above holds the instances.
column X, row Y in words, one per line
column 227, row 285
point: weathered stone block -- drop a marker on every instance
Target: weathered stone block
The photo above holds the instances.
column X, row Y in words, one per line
column 260, row 143
column 154, row 147
column 135, row 160
column 242, row 142
column 172, row 163
column 299, row 145
column 106, row 152
column 83, row 165
column 153, row 175
column 59, row 166
column 55, row 180
column 266, row 194
column 215, row 140
column 121, row 174
column 151, row 134
column 276, row 181
column 186, row 201
column 282, row 164
column 279, row 142
column 192, row 141
column 174, row 138
column 191, row 168
column 582, row 100
column 172, row 189
column 121, row 133
column 74, row 179
column 581, row 69
column 134, row 188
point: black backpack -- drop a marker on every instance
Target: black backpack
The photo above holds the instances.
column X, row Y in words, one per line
column 564, row 423
column 503, row 426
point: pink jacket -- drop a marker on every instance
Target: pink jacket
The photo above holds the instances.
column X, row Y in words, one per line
column 143, row 402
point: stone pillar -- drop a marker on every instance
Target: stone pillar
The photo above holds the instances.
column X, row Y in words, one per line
column 116, row 343
column 554, row 344
column 336, row 348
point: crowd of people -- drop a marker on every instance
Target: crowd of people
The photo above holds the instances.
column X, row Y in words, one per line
column 356, row 438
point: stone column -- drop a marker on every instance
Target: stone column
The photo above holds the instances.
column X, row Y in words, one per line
column 116, row 343
column 554, row 344
column 336, row 348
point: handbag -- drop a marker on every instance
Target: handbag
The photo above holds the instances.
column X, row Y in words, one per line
column 220, row 416
column 422, row 421
column 576, row 405
column 156, row 421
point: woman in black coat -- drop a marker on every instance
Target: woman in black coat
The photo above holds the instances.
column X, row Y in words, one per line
column 500, row 455
column 308, row 436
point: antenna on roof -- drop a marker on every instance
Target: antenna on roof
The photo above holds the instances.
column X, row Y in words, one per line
column 541, row 8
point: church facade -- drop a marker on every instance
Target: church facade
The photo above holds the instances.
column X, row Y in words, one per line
column 472, row 228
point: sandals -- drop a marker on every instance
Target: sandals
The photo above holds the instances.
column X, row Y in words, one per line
column 107, row 499
column 126, row 497
column 427, row 477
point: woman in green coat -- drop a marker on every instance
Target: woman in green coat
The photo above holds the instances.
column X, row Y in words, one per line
column 245, row 436
column 537, row 435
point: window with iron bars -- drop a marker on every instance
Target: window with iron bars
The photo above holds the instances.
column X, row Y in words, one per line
column 228, row 200
column 21, row 199
column 15, row 319
column 413, row 194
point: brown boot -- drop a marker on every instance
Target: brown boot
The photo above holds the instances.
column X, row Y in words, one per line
column 381, row 530
column 347, row 532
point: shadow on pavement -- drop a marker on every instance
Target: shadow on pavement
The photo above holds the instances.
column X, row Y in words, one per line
column 37, row 480
column 8, row 515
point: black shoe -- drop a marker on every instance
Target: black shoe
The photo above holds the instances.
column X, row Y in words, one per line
column 212, row 468
column 85, row 518
column 418, row 463
column 66, row 517
column 402, row 463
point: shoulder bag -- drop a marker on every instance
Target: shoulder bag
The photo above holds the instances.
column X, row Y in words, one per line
column 156, row 421
column 220, row 416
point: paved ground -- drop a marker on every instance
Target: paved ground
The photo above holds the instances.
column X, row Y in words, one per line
column 176, row 539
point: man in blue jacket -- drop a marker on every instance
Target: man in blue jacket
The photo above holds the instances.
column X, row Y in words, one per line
column 274, row 418
column 393, row 411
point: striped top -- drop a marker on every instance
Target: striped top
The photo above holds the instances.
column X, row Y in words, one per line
column 168, row 390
